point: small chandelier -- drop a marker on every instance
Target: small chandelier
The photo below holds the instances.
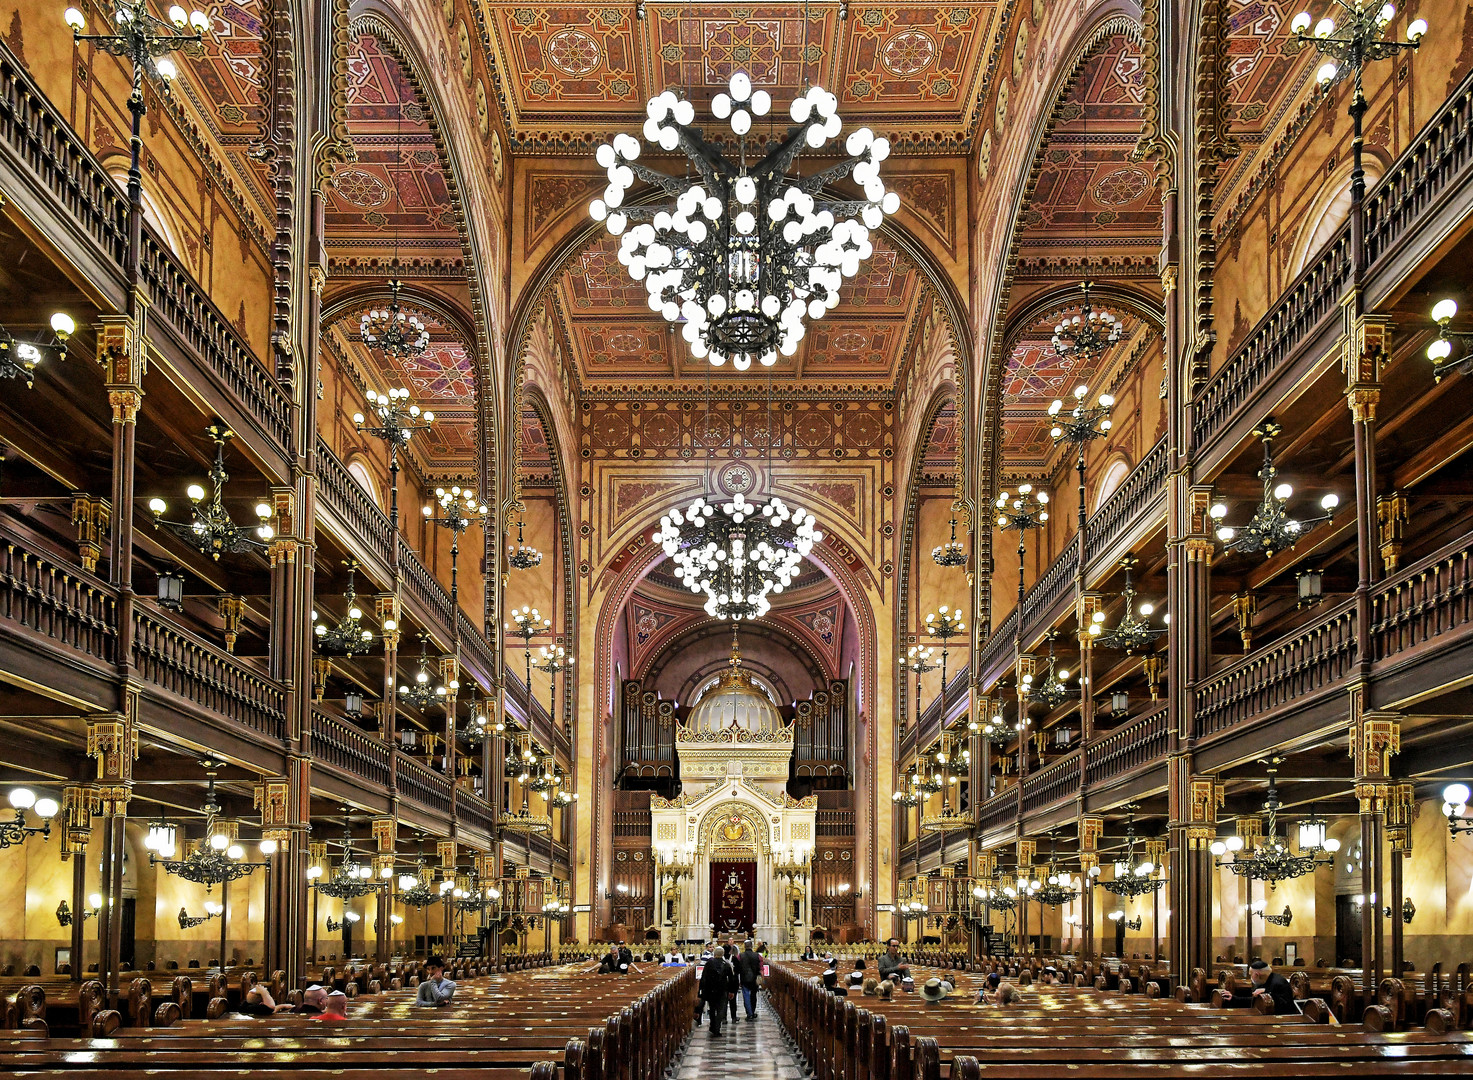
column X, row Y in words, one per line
column 1089, row 333
column 998, row 730
column 1271, row 528
column 1133, row 633
column 1052, row 691
column 521, row 555
column 741, row 253
column 394, row 420
column 478, row 727
column 210, row 530
column 217, row 858
column 415, row 890
column 951, row 553
column 738, row 552
column 1058, row 886
column 1132, row 879
column 19, row 359
column 1272, row 860
column 350, row 878
column 524, row 821
column 391, row 330
column 424, row 692
column 1082, row 424
column 349, row 637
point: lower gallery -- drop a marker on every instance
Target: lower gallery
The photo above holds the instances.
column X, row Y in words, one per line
column 503, row 506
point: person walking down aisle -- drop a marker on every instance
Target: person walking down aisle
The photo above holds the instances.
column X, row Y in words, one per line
column 718, row 983
column 749, row 971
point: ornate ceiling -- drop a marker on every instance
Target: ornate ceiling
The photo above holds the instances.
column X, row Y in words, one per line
column 566, row 74
column 393, row 200
column 942, row 453
column 536, row 462
column 614, row 336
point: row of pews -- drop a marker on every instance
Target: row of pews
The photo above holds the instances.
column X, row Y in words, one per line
column 1087, row 1026
column 501, row 1026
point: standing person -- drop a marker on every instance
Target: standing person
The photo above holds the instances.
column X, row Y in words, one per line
column 715, row 986
column 436, row 990
column 749, row 970
column 890, row 965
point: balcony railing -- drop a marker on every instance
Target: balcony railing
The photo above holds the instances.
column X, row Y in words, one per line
column 422, row 588
column 1051, row 784
column 1315, row 656
column 345, row 498
column 339, row 744
column 423, row 784
column 63, row 605
column 1423, row 602
column 205, row 676
column 1423, row 174
column 1140, row 741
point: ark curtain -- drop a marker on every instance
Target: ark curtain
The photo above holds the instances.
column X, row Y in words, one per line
column 734, row 896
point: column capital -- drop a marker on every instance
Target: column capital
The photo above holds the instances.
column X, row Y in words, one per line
column 112, row 739
column 385, row 833
column 1375, row 737
column 92, row 518
column 1365, row 344
column 1091, row 830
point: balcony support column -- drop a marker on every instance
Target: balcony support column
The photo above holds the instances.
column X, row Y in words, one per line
column 1375, row 739
column 1091, row 830
column 1194, row 803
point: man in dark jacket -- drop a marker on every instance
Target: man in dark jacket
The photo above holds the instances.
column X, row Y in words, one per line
column 1268, row 981
column 749, row 970
column 717, row 985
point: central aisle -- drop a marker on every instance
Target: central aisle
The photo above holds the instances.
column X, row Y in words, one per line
column 750, row 1051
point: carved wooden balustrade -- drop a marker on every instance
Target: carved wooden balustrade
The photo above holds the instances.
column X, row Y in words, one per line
column 64, row 605
column 423, row 785
column 338, row 744
column 1312, row 659
column 1139, row 742
column 359, row 517
column 1052, row 784
column 206, row 677
column 1424, row 602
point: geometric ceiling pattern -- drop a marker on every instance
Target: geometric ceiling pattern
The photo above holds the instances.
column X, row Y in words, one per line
column 614, row 335
column 394, row 199
column 942, row 451
column 913, row 70
column 536, row 462
column 1091, row 200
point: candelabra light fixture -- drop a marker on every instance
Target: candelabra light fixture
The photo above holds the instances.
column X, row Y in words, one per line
column 1051, row 692
column 951, row 553
column 1132, row 878
column 526, row 623
column 737, row 553
column 1118, row 917
column 1082, row 424
column 456, row 509
column 918, row 658
column 1454, row 808
column 392, row 330
column 216, row 859
column 393, row 419
column 996, row 729
column 187, row 921
column 1440, row 351
column 944, row 624
column 522, row 555
column 552, row 661
column 350, row 878
column 22, row 801
column 1259, row 910
column 19, row 358
column 210, row 529
column 740, row 253
column 348, row 637
column 1272, row 860
column 424, row 692
column 1133, row 633
column 1271, row 528
column 1359, row 42
column 64, row 914
column 1088, row 334
column 949, row 766
column 415, row 889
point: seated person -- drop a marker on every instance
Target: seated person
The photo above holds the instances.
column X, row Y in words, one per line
column 989, row 989
column 1267, row 981
column 609, row 965
column 259, row 1002
column 435, row 990
column 1050, row 977
column 313, row 999
column 335, row 1007
column 890, row 965
column 808, row 953
column 871, row 987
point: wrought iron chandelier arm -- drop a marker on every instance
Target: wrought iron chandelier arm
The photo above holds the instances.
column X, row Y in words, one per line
column 668, row 184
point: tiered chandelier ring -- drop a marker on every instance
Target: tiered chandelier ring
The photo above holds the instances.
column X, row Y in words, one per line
column 739, row 254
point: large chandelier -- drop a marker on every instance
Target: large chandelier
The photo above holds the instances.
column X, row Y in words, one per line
column 1272, row 860
column 1271, row 528
column 217, row 858
column 1132, row 879
column 424, row 692
column 391, row 330
column 738, row 552
column 740, row 253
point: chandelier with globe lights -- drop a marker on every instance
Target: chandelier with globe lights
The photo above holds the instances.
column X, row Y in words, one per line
column 1272, row 860
column 392, row 330
column 1132, row 878
column 737, row 253
column 737, row 552
column 1089, row 333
